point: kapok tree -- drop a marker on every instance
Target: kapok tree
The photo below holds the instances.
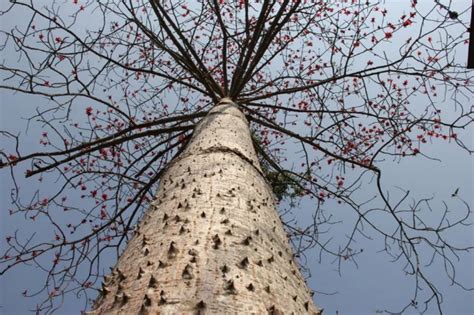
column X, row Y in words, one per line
column 162, row 119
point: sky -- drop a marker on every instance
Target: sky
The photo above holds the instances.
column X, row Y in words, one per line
column 373, row 285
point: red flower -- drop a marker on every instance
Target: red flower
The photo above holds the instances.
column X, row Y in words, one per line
column 12, row 157
column 103, row 214
column 407, row 23
column 388, row 35
column 89, row 111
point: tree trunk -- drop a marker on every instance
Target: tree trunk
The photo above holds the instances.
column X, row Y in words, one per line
column 212, row 242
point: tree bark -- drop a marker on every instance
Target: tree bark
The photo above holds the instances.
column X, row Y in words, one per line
column 212, row 241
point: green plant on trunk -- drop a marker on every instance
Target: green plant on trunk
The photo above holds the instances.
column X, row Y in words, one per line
column 285, row 185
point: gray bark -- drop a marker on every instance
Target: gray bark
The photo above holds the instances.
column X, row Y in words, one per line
column 212, row 242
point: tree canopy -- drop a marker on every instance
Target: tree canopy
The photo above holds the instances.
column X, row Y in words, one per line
column 332, row 90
